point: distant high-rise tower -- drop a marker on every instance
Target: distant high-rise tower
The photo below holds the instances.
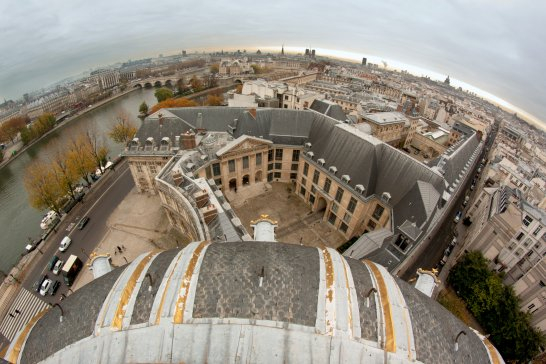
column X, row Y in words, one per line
column 447, row 81
column 364, row 60
column 307, row 52
column 313, row 53
column 282, row 50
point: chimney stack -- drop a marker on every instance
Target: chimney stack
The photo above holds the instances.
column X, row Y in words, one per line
column 188, row 140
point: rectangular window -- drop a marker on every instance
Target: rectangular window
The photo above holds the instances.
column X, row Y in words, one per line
column 245, row 162
column 402, row 244
column 339, row 194
column 295, row 155
column 537, row 230
column 527, row 220
column 293, row 175
column 527, row 242
column 216, row 169
column 278, row 154
column 347, row 217
column 335, row 207
column 520, row 236
column 302, row 191
column 371, row 224
column 259, row 159
column 277, row 174
column 313, row 189
column 270, row 167
column 269, row 177
column 332, row 218
column 311, row 199
column 270, row 155
column 512, row 246
column 531, row 306
column 316, row 176
column 231, row 165
column 378, row 212
column 278, row 165
column 294, row 167
column 327, row 183
column 139, row 168
column 303, row 180
column 352, row 205
column 343, row 227
column 518, row 252
column 305, row 168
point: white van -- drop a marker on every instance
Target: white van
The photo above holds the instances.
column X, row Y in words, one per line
column 65, row 243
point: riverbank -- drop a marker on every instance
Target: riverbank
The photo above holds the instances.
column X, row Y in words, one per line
column 79, row 114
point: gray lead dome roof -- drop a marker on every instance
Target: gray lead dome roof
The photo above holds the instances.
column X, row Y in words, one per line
column 249, row 302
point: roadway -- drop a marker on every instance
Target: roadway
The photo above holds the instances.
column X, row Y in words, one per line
column 437, row 244
column 98, row 204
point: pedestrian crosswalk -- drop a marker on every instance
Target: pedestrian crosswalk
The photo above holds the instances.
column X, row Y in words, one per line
column 25, row 306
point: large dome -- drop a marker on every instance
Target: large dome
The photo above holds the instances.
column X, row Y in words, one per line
column 252, row 302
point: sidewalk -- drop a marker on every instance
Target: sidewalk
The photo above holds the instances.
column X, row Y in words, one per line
column 140, row 225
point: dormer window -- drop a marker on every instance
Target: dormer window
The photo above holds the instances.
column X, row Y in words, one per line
column 333, row 169
column 360, row 189
column 346, row 178
column 321, row 161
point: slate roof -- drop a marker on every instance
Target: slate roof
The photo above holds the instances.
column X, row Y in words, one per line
column 250, row 301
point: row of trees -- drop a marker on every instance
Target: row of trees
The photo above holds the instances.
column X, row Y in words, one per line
column 11, row 128
column 496, row 308
column 39, row 127
column 48, row 182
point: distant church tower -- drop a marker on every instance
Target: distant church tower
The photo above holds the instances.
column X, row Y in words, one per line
column 447, row 81
column 282, row 50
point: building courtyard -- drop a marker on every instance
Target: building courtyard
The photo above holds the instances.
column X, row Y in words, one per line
column 297, row 224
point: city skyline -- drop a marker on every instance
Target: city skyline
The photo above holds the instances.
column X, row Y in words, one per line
column 495, row 47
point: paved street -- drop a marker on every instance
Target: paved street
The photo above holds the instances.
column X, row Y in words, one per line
column 98, row 205
column 441, row 240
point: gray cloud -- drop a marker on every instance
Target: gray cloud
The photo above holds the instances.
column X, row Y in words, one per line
column 496, row 45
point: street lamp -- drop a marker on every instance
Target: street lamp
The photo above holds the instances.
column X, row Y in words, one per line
column 457, row 339
column 372, row 290
column 60, row 308
column 151, row 281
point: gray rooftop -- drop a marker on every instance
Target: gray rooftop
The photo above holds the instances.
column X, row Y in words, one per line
column 250, row 302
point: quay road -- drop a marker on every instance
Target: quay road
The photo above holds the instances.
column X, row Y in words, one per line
column 437, row 244
column 98, row 204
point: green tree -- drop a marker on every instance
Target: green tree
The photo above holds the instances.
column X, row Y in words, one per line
column 162, row 94
column 123, row 130
column 496, row 308
column 143, row 109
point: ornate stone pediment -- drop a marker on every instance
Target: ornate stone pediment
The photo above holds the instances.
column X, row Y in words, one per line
column 243, row 145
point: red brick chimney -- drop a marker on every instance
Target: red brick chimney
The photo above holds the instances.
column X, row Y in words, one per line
column 187, row 140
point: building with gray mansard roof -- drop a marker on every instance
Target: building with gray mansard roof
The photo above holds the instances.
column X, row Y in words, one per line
column 251, row 302
column 357, row 183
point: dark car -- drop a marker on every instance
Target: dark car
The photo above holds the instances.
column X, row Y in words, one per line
column 52, row 262
column 39, row 282
column 54, row 287
column 83, row 222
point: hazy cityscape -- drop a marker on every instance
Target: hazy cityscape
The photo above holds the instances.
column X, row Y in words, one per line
column 171, row 197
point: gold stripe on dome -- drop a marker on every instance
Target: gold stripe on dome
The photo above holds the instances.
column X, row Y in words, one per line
column 167, row 284
column 186, row 282
column 492, row 351
column 128, row 291
column 390, row 339
column 21, row 339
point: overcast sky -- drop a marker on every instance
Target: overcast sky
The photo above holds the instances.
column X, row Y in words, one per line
column 496, row 45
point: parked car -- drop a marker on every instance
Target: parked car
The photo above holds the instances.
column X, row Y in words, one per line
column 54, row 259
column 65, row 243
column 472, row 186
column 58, row 266
column 39, row 282
column 83, row 222
column 46, row 285
column 458, row 216
column 54, row 287
column 453, row 243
